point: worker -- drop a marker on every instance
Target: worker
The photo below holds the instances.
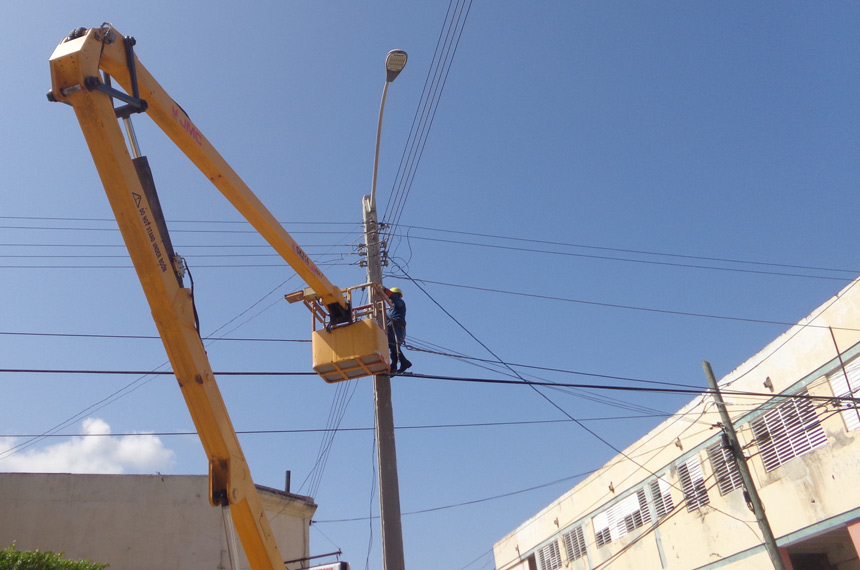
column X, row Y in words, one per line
column 397, row 330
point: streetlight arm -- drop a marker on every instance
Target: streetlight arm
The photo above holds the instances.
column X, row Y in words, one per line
column 376, row 153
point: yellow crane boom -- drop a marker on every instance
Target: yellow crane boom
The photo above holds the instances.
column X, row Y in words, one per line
column 83, row 68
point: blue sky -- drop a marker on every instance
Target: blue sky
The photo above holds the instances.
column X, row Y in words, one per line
column 621, row 189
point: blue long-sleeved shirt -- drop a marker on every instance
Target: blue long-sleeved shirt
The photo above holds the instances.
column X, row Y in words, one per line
column 397, row 312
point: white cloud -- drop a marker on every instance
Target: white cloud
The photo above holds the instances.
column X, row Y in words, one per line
column 97, row 452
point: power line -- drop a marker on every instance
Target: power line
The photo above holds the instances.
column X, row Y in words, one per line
column 143, row 379
column 350, row 250
column 652, row 262
column 468, row 503
column 343, row 396
column 172, row 230
column 621, row 404
column 494, row 366
column 336, row 429
column 115, row 395
column 147, row 372
column 600, row 399
column 622, row 250
column 357, row 232
column 618, row 306
column 183, row 246
column 428, row 104
column 788, row 338
column 675, row 510
column 520, row 382
column 146, row 337
column 695, row 391
column 550, row 369
column 647, row 530
column 428, row 351
column 534, row 386
column 118, row 256
column 282, row 265
column 172, row 221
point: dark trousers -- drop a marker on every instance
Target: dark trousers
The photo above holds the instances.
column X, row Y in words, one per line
column 396, row 336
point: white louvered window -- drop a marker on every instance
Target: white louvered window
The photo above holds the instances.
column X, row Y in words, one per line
column 624, row 516
column 574, row 543
column 693, row 483
column 549, row 557
column 840, row 387
column 662, row 497
column 601, row 529
column 725, row 468
column 789, row 430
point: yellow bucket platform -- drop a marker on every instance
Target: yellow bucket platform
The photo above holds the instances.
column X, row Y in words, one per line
column 351, row 351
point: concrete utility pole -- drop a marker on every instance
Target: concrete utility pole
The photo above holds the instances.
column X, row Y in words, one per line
column 386, row 452
column 741, row 462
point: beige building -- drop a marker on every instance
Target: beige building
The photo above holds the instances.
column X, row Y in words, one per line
column 137, row 522
column 675, row 500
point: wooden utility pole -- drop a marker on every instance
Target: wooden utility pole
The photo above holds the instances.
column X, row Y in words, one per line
column 741, row 462
column 386, row 450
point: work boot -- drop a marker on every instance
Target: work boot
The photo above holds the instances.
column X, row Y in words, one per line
column 404, row 365
column 393, row 370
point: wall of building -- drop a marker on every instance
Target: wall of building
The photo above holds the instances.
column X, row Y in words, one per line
column 807, row 498
column 136, row 521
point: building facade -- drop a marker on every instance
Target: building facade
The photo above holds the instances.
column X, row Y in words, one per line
column 675, row 499
column 138, row 522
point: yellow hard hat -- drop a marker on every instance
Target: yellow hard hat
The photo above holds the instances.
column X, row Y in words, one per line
column 396, row 290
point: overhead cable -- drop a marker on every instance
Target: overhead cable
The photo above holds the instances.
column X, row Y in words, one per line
column 500, row 381
column 620, row 250
column 425, row 113
column 619, row 306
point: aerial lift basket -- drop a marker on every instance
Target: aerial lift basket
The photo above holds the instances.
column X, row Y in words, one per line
column 349, row 350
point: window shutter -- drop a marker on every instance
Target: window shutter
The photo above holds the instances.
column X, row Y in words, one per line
column 660, row 491
column 840, row 389
column 789, row 430
column 601, row 529
column 549, row 557
column 624, row 516
column 693, row 483
column 574, row 543
column 725, row 468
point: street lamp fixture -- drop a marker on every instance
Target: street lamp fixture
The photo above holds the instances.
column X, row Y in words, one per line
column 395, row 61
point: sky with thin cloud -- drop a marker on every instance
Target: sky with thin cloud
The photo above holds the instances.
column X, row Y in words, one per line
column 94, row 451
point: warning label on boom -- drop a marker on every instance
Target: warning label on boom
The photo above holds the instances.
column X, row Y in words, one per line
column 151, row 234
